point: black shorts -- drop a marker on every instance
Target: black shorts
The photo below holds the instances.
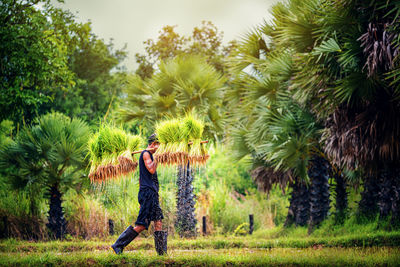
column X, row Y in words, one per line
column 150, row 209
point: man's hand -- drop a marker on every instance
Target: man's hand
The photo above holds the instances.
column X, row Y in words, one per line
column 150, row 165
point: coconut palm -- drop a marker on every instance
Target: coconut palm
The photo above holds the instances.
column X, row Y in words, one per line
column 184, row 84
column 49, row 155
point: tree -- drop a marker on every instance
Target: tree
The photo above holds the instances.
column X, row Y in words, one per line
column 95, row 89
column 51, row 62
column 49, row 155
column 181, row 85
column 274, row 127
column 341, row 195
column 205, row 41
column 186, row 218
column 33, row 61
column 292, row 143
column 348, row 75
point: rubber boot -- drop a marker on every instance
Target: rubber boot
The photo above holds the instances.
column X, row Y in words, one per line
column 160, row 242
column 124, row 239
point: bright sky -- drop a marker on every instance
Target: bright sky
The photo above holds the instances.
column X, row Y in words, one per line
column 132, row 22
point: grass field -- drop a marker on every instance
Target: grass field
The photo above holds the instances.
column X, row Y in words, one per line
column 380, row 249
column 375, row 256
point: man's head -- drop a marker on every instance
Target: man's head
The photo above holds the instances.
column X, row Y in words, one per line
column 153, row 142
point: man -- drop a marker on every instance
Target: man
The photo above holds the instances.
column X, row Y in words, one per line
column 149, row 203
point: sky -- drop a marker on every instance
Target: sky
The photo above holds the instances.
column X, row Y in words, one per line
column 132, row 22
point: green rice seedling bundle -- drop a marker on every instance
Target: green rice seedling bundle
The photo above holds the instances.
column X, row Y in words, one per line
column 110, row 154
column 193, row 130
column 169, row 135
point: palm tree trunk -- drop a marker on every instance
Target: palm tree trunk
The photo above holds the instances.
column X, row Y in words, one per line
column 341, row 198
column 299, row 207
column 319, row 192
column 395, row 221
column 57, row 223
column 368, row 207
column 291, row 210
column 186, row 220
column 302, row 204
column 385, row 193
column 389, row 195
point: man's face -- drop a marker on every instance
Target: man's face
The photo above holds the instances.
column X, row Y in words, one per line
column 155, row 145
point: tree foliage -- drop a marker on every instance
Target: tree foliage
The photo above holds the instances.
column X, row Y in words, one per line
column 33, row 61
column 342, row 69
column 184, row 84
column 205, row 41
column 51, row 62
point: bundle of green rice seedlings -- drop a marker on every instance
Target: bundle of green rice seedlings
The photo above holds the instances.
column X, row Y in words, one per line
column 127, row 163
column 169, row 134
column 182, row 148
column 110, row 154
column 193, row 129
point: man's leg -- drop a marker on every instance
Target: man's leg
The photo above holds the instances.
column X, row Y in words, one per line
column 158, row 225
column 139, row 228
column 124, row 239
column 131, row 233
column 160, row 238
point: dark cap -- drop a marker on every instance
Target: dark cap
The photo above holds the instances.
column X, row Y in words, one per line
column 152, row 138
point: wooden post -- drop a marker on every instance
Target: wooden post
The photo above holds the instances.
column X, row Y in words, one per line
column 111, row 227
column 5, row 223
column 204, row 226
column 251, row 217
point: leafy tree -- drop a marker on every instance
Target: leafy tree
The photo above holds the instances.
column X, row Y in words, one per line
column 282, row 136
column 51, row 62
column 33, row 61
column 50, row 156
column 205, row 41
column 348, row 76
column 95, row 89
column 184, row 84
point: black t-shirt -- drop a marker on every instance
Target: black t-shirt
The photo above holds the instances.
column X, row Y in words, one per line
column 146, row 179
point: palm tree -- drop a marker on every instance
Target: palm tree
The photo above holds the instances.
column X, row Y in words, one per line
column 49, row 155
column 292, row 143
column 181, row 85
column 186, row 220
column 348, row 75
column 341, row 196
column 272, row 127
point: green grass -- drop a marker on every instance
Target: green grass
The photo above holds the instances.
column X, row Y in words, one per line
column 388, row 239
column 224, row 257
column 276, row 246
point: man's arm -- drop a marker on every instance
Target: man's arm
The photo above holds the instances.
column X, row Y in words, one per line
column 150, row 165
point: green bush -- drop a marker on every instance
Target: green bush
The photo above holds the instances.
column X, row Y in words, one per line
column 223, row 168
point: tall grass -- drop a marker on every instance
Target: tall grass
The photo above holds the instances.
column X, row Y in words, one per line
column 21, row 215
column 87, row 217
